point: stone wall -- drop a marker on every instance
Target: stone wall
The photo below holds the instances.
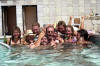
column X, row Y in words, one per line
column 50, row 11
column 93, row 25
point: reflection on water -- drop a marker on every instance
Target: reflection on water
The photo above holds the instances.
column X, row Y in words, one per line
column 23, row 56
column 4, row 50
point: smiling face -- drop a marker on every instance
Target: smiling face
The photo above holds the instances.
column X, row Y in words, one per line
column 68, row 31
column 36, row 30
column 16, row 33
column 78, row 36
column 50, row 31
column 61, row 28
column 44, row 41
column 55, row 34
column 29, row 38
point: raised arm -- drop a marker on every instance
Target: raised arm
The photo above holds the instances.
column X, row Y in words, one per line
column 70, row 20
column 82, row 23
column 37, row 43
column 8, row 41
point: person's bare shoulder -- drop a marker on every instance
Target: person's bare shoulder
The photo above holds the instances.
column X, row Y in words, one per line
column 8, row 40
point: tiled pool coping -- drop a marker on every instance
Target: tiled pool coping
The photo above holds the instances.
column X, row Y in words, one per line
column 1, row 38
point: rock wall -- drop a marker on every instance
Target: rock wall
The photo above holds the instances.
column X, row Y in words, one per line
column 50, row 11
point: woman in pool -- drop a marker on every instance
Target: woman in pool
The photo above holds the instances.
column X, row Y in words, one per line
column 69, row 36
column 16, row 37
column 82, row 38
column 70, row 32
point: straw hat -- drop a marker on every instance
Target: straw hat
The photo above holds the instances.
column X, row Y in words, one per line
column 28, row 32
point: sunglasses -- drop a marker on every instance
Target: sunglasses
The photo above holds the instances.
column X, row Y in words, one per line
column 50, row 31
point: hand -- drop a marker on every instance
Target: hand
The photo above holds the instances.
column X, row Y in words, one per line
column 82, row 17
column 43, row 29
column 53, row 43
column 60, row 39
column 71, row 17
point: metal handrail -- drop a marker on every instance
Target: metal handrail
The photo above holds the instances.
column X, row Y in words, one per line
column 7, row 46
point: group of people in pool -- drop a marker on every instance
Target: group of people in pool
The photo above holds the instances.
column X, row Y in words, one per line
column 51, row 35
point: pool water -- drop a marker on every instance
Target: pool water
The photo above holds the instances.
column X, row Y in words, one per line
column 23, row 56
column 4, row 50
column 1, row 40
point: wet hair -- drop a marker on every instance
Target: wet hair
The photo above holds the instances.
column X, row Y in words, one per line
column 69, row 26
column 61, row 23
column 83, row 33
column 17, row 29
column 36, row 24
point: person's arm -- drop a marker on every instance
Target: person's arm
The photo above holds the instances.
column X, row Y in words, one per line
column 82, row 23
column 8, row 41
column 61, row 41
column 53, row 43
column 22, row 41
column 37, row 43
column 70, row 21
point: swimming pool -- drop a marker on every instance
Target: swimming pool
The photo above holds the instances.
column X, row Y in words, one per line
column 23, row 56
column 4, row 50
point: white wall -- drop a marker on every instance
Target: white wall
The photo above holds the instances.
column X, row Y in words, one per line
column 51, row 11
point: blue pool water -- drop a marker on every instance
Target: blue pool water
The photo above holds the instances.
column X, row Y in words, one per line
column 1, row 40
column 23, row 56
column 4, row 50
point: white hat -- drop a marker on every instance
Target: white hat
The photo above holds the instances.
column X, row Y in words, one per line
column 29, row 32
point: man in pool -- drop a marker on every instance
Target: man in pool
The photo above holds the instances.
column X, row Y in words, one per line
column 50, row 32
column 36, row 30
column 42, row 41
column 61, row 27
